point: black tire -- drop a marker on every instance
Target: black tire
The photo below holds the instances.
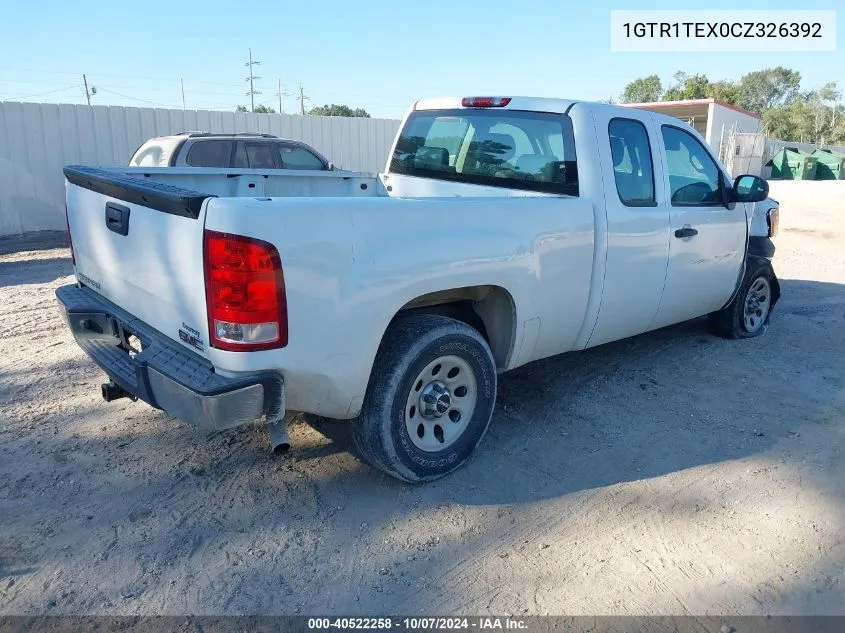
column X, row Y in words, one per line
column 730, row 322
column 410, row 344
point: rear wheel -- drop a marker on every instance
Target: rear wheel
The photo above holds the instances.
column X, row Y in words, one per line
column 430, row 398
column 748, row 314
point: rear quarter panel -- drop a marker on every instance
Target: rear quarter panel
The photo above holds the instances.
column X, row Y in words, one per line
column 351, row 264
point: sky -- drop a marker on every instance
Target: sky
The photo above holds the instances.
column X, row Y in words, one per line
column 373, row 54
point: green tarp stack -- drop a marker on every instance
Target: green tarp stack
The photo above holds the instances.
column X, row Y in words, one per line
column 830, row 165
column 791, row 163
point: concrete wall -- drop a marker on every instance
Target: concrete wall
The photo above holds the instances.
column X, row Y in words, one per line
column 38, row 139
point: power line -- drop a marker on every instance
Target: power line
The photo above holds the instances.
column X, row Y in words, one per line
column 357, row 98
column 119, row 76
column 189, row 88
column 252, row 92
column 166, row 105
column 41, row 94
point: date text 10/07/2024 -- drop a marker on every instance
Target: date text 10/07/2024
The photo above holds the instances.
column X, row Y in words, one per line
column 418, row 623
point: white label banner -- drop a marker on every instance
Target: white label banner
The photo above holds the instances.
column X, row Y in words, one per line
column 722, row 30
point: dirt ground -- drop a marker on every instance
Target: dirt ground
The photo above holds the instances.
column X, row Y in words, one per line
column 673, row 473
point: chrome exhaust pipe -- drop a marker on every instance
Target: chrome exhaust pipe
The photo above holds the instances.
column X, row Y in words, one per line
column 277, row 422
column 279, row 439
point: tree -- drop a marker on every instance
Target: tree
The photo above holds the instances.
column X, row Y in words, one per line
column 780, row 123
column 338, row 110
column 769, row 88
column 727, row 91
column 812, row 117
column 687, row 87
column 643, row 90
column 259, row 109
column 789, row 114
column 822, row 104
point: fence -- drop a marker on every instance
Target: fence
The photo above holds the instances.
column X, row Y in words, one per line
column 38, row 139
column 742, row 152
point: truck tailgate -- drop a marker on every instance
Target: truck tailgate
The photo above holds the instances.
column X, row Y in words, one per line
column 139, row 244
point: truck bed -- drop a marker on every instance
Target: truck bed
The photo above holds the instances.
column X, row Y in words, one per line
column 231, row 183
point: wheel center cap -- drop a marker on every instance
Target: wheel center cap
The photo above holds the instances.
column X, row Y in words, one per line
column 435, row 399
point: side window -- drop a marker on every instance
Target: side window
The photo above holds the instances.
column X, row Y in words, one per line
column 694, row 177
column 256, row 155
column 240, row 161
column 632, row 164
column 262, row 156
column 296, row 157
column 209, row 153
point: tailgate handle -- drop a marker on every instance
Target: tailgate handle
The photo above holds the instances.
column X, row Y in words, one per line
column 117, row 218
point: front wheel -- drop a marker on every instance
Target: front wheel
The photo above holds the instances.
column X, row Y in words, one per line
column 430, row 399
column 748, row 314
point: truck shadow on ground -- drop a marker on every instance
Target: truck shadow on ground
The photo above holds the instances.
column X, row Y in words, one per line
column 660, row 402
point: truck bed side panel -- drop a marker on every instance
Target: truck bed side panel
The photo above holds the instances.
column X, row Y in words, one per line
column 351, row 264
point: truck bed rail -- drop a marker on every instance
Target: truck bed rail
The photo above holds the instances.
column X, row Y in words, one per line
column 153, row 195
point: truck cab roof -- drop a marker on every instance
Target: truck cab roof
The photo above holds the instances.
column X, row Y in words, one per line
column 537, row 104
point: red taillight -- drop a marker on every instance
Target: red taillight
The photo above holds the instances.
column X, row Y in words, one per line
column 485, row 102
column 773, row 220
column 69, row 238
column 244, row 293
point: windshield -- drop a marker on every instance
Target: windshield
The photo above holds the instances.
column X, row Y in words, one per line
column 532, row 151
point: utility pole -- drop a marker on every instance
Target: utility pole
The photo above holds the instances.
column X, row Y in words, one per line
column 281, row 94
column 87, row 94
column 302, row 99
column 182, row 83
column 252, row 91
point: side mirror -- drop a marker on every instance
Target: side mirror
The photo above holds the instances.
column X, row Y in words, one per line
column 330, row 166
column 749, row 188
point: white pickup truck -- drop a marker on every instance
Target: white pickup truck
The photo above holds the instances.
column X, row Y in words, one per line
column 504, row 230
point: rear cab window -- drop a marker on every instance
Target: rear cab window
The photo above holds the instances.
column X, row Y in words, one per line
column 531, row 151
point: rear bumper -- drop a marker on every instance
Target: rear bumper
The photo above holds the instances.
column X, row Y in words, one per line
column 163, row 374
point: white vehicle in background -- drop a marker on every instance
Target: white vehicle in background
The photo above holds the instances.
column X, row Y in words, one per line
column 504, row 230
column 231, row 151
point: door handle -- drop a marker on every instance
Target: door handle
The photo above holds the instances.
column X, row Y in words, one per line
column 687, row 231
column 117, row 218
